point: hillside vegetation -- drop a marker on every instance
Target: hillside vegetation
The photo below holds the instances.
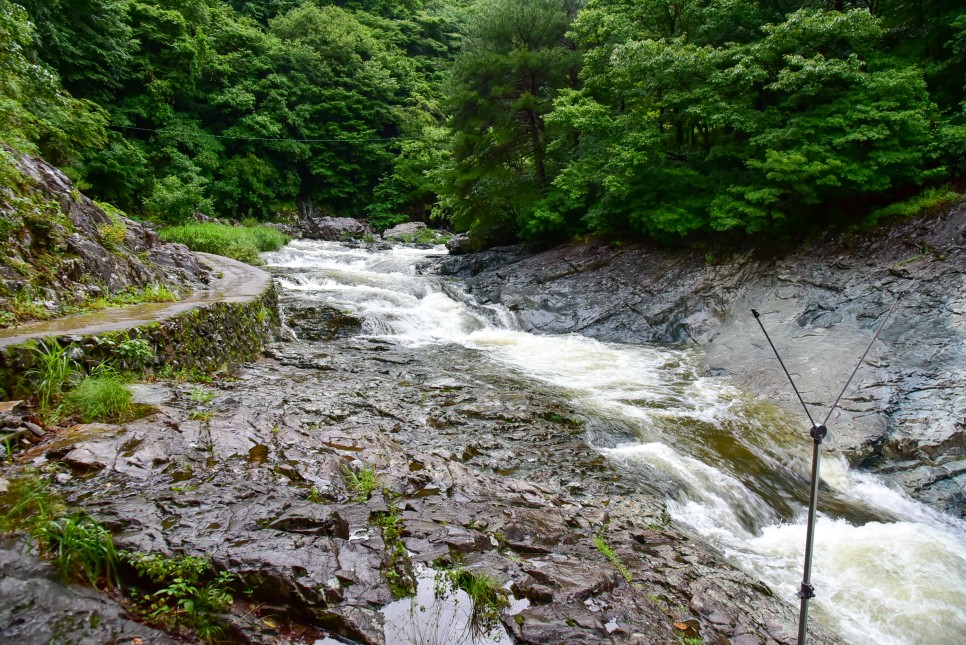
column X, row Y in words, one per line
column 537, row 119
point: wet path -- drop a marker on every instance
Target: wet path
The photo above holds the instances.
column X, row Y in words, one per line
column 231, row 281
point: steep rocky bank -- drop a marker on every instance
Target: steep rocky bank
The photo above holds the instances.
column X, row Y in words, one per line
column 59, row 248
column 821, row 302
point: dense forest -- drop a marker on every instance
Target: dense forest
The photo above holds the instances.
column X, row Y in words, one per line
column 536, row 119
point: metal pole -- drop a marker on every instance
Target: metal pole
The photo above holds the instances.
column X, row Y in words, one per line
column 807, row 591
column 818, row 433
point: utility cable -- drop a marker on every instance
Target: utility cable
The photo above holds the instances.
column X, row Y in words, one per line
column 224, row 136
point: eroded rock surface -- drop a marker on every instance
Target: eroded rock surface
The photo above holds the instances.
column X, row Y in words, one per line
column 479, row 474
column 905, row 414
column 37, row 608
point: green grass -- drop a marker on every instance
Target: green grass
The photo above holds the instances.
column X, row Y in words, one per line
column 184, row 375
column 27, row 502
column 81, row 548
column 52, row 374
column 608, row 552
column 399, row 575
column 489, row 598
column 360, row 482
column 242, row 243
column 201, row 395
column 931, row 199
column 101, row 396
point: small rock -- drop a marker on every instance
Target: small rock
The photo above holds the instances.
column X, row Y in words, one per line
column 35, row 429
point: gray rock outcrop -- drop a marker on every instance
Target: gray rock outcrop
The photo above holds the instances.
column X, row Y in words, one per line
column 905, row 414
column 61, row 247
column 258, row 483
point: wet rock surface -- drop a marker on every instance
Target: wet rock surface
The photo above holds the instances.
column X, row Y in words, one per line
column 903, row 417
column 499, row 478
column 37, row 608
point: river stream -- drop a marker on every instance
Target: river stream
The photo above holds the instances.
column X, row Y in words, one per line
column 732, row 468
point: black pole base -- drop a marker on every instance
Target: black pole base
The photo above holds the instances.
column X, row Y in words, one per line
column 807, row 592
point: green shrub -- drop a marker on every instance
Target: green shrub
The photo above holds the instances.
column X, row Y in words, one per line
column 190, row 593
column 135, row 351
column 241, row 243
column 101, row 396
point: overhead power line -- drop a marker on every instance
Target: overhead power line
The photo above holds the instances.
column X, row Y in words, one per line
column 223, row 136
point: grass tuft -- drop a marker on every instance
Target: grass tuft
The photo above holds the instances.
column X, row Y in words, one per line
column 489, row 598
column 27, row 502
column 101, row 396
column 52, row 374
column 608, row 553
column 360, row 482
column 81, row 548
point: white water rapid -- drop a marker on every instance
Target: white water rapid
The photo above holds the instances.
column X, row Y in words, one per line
column 887, row 570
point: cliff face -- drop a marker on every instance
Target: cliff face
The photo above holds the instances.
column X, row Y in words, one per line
column 905, row 414
column 58, row 248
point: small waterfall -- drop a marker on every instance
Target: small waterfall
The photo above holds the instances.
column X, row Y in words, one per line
column 888, row 570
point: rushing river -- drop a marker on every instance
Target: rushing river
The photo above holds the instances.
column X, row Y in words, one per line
column 887, row 569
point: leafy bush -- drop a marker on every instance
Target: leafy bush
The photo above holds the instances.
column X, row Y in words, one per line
column 135, row 351
column 190, row 592
column 241, row 243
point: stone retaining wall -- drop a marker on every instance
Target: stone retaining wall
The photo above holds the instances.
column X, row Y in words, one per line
column 204, row 338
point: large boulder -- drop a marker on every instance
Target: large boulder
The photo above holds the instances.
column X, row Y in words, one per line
column 465, row 243
column 414, row 232
column 317, row 226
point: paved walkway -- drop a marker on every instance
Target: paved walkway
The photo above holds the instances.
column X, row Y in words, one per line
column 239, row 282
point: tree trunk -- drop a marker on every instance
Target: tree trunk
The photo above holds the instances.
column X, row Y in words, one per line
column 533, row 125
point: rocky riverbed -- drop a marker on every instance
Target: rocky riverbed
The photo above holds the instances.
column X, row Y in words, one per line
column 498, row 479
column 905, row 414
